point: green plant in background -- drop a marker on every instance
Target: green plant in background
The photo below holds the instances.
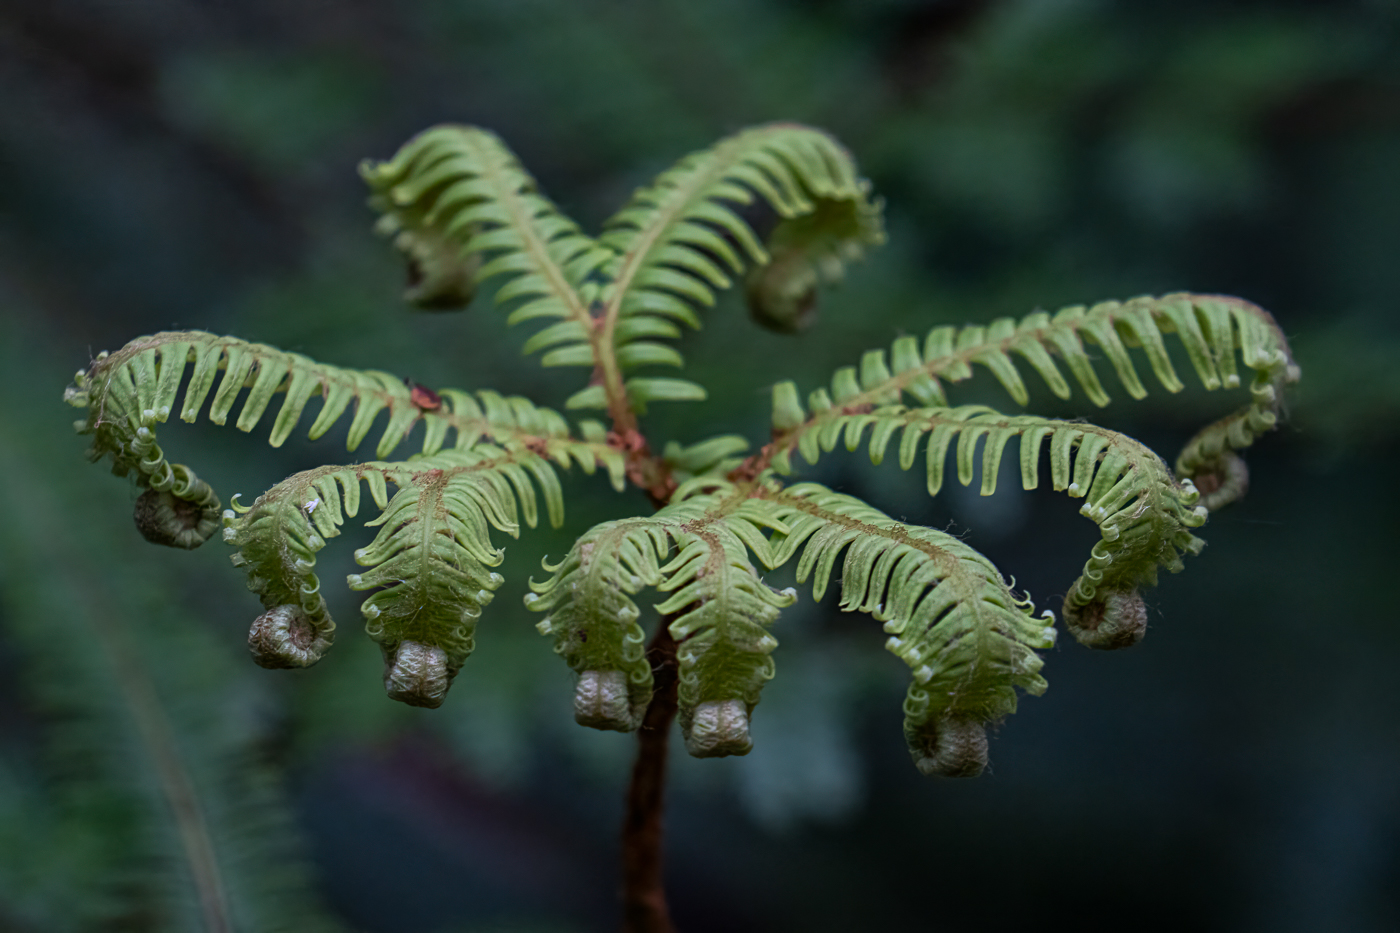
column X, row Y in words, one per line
column 783, row 207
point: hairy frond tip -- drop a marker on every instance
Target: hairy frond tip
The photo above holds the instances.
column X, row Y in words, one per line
column 808, row 251
column 717, row 728
column 604, row 700
column 1116, row 619
column 780, row 204
column 949, row 747
column 718, row 610
column 417, row 674
column 284, row 638
column 164, row 518
column 1221, row 481
column 439, row 276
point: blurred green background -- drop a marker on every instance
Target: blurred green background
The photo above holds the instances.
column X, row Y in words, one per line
column 172, row 163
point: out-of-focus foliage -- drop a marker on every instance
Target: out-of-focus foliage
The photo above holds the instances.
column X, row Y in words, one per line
column 179, row 164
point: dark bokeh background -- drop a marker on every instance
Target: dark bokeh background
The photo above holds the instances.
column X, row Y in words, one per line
column 178, row 163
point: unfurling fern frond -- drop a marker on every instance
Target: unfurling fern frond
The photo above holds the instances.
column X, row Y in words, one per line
column 129, row 392
column 782, row 201
column 950, row 616
column 683, row 239
column 1143, row 513
column 1211, row 328
column 431, row 557
column 461, row 207
column 718, row 612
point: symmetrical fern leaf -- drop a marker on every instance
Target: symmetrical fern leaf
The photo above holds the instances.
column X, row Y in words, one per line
column 1143, row 511
column 718, row 612
column 129, row 392
column 679, row 241
column 462, row 208
column 1211, row 328
column 432, row 557
column 950, row 616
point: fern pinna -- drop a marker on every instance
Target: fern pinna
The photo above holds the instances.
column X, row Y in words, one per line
column 783, row 208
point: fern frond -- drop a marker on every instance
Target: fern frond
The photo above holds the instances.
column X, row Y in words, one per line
column 432, row 557
column 950, row 616
column 459, row 204
column 718, row 612
column 1211, row 328
column 1144, row 514
column 129, row 392
column 682, row 240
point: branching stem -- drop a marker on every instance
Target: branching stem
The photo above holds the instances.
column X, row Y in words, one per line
column 644, row 907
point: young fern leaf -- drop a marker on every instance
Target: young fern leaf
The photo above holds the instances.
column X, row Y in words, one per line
column 1211, row 328
column 593, row 618
column 1143, row 513
column 680, row 241
column 461, row 207
column 709, row 458
column 129, row 392
column 951, row 617
column 432, row 557
column 718, row 612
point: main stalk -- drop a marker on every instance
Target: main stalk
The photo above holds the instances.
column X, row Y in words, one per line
column 644, row 907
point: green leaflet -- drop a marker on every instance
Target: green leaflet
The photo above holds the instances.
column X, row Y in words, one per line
column 129, row 392
column 593, row 618
column 950, row 616
column 682, row 240
column 430, row 560
column 459, row 191
column 1211, row 329
column 1143, row 513
column 718, row 612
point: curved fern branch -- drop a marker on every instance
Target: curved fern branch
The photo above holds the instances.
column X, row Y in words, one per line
column 679, row 241
column 431, row 556
column 129, row 392
column 718, row 611
column 951, row 617
column 461, row 207
column 1143, row 513
column 1211, row 328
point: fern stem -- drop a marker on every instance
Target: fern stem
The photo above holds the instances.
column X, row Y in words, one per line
column 644, row 907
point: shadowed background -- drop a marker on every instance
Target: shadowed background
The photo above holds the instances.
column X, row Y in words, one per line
column 181, row 164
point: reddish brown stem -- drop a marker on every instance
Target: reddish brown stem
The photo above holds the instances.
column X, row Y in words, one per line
column 643, row 889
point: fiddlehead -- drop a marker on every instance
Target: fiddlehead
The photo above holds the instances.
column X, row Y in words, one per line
column 430, row 561
column 718, row 612
column 951, row 617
